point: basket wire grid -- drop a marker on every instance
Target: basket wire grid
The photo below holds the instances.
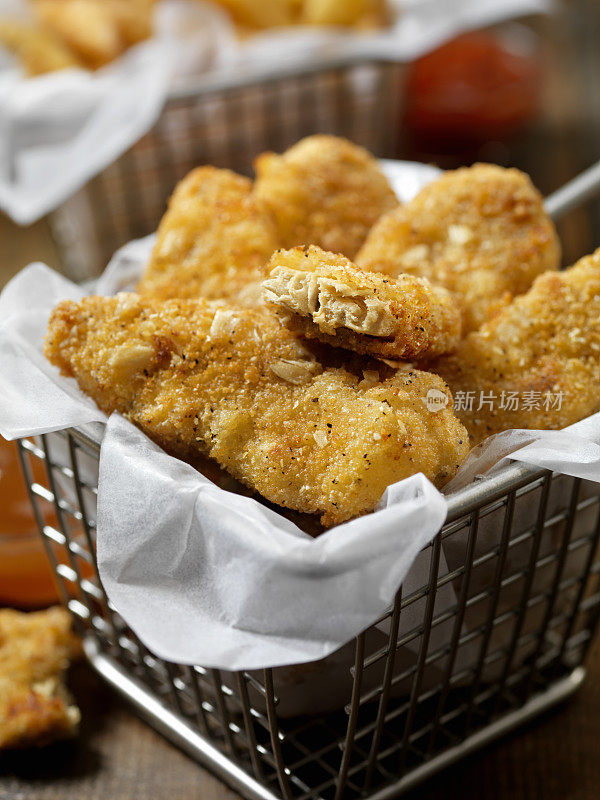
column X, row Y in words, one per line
column 226, row 123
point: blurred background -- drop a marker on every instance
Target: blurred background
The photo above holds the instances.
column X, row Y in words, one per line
column 523, row 94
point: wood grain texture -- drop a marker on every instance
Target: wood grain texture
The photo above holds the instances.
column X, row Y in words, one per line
column 118, row 757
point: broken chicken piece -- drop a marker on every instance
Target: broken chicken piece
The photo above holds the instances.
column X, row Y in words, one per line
column 324, row 296
column 325, row 191
column 35, row 651
column 480, row 232
column 234, row 384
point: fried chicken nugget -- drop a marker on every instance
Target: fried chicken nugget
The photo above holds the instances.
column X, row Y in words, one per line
column 325, row 296
column 38, row 51
column 212, row 242
column 196, row 376
column 480, row 232
column 35, row 651
column 538, row 362
column 324, row 191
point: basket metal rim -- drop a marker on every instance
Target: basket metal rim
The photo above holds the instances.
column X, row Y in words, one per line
column 175, row 728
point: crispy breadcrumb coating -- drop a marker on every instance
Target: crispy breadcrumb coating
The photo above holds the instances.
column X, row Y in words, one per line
column 35, row 651
column 212, row 242
column 325, row 191
column 234, row 384
column 480, row 232
column 325, row 296
column 543, row 350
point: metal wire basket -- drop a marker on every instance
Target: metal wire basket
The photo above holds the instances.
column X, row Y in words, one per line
column 225, row 122
column 498, row 633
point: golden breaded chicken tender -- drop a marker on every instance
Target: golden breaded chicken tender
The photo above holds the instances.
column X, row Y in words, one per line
column 324, row 191
column 234, row 384
column 38, row 51
column 212, row 242
column 325, row 296
column 35, row 651
column 537, row 364
column 480, row 232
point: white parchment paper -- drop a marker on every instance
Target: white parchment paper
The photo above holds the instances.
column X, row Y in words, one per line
column 59, row 130
column 207, row 576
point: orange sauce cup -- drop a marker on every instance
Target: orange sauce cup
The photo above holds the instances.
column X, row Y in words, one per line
column 26, row 578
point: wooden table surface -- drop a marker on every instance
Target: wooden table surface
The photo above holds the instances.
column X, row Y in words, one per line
column 118, row 757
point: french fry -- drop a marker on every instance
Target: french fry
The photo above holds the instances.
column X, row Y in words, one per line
column 87, row 27
column 366, row 13
column 38, row 51
column 262, row 13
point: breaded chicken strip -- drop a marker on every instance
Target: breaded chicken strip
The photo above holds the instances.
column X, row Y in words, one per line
column 325, row 296
column 212, row 242
column 35, row 651
column 236, row 385
column 535, row 365
column 324, row 191
column 38, row 51
column 480, row 232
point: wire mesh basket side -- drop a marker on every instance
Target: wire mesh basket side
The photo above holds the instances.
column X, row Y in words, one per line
column 226, row 127
column 225, row 713
column 526, row 602
column 504, row 611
